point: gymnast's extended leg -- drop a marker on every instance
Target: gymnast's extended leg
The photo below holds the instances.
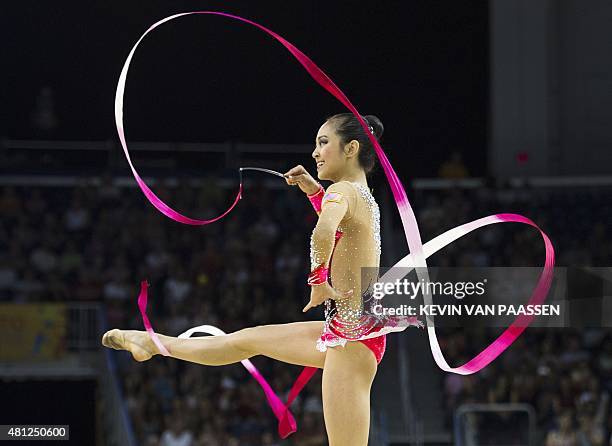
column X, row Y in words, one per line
column 293, row 343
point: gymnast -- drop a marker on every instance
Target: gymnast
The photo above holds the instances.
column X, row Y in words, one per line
column 347, row 230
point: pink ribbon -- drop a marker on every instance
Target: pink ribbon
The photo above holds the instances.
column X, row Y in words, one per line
column 503, row 341
column 417, row 255
column 286, row 420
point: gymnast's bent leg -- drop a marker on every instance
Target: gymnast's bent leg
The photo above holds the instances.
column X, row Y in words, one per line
column 293, row 343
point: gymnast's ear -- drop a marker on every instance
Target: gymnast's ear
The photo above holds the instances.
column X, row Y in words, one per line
column 351, row 148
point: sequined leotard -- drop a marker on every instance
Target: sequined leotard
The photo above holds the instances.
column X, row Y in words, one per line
column 355, row 251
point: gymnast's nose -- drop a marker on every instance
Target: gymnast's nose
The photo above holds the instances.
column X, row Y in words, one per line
column 315, row 153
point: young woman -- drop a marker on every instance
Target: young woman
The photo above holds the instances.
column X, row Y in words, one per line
column 348, row 229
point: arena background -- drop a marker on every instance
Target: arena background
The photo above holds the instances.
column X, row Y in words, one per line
column 488, row 107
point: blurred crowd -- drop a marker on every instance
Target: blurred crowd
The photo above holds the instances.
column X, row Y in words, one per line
column 97, row 243
column 565, row 374
column 90, row 243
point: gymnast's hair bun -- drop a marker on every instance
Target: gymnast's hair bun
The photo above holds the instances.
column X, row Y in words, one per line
column 376, row 124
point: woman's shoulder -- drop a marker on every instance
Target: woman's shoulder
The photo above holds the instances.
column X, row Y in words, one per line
column 339, row 190
column 342, row 191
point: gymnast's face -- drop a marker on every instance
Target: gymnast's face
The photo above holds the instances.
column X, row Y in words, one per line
column 332, row 160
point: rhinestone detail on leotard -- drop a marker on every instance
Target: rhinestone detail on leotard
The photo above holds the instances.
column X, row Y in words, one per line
column 353, row 322
column 375, row 212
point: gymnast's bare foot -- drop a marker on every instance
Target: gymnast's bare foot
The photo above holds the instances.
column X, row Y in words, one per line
column 138, row 343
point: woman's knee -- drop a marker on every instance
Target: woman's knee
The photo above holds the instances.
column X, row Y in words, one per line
column 243, row 340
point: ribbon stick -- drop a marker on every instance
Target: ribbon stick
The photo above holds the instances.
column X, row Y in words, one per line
column 418, row 251
column 273, row 172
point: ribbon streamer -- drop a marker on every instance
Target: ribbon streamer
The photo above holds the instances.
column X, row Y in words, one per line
column 286, row 420
column 418, row 251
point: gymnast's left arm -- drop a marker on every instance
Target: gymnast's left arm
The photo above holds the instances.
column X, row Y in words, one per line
column 336, row 204
column 334, row 208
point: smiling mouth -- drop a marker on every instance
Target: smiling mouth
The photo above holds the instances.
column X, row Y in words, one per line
column 320, row 163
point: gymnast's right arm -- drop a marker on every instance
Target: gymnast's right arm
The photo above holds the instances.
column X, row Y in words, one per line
column 315, row 192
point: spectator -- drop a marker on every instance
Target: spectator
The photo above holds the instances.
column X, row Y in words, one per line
column 453, row 168
column 565, row 435
column 590, row 433
column 44, row 117
column 177, row 435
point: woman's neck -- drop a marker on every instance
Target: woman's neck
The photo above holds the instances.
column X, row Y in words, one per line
column 356, row 177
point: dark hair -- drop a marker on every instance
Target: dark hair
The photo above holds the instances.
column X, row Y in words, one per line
column 348, row 128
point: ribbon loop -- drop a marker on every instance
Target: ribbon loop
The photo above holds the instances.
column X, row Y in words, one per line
column 416, row 258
